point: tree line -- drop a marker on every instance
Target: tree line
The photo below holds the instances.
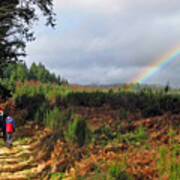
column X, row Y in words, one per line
column 37, row 72
column 14, row 72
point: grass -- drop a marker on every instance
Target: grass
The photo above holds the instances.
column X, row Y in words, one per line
column 132, row 138
column 168, row 163
column 22, row 139
column 115, row 171
column 118, row 171
column 57, row 176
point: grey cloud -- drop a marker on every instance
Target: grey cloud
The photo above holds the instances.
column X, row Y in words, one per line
column 110, row 46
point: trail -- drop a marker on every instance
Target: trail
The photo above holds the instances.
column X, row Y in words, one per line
column 26, row 159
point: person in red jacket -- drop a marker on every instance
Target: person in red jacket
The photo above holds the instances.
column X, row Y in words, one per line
column 10, row 128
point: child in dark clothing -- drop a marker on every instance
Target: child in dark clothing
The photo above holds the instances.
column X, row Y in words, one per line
column 1, row 119
column 2, row 123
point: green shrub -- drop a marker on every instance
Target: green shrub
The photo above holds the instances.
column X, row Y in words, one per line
column 132, row 138
column 124, row 114
column 97, row 99
column 108, row 132
column 34, row 103
column 77, row 131
column 56, row 119
column 103, row 135
column 171, row 134
column 117, row 171
column 41, row 112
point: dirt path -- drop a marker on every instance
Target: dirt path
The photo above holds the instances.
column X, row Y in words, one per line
column 26, row 159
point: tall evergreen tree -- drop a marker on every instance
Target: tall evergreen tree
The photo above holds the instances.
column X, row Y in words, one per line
column 33, row 71
column 22, row 72
column 16, row 20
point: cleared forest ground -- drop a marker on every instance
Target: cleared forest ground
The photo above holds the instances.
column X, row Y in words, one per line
column 142, row 148
column 68, row 133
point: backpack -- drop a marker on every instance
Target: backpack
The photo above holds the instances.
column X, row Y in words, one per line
column 9, row 125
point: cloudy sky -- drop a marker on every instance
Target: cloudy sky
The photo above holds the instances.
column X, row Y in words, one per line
column 109, row 41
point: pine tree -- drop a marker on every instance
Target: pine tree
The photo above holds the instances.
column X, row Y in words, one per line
column 16, row 20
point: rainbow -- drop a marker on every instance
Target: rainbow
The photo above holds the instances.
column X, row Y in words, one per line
column 159, row 64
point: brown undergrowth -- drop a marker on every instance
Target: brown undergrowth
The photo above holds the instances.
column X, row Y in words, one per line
column 141, row 148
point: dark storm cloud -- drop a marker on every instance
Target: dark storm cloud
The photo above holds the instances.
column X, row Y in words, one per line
column 109, row 41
